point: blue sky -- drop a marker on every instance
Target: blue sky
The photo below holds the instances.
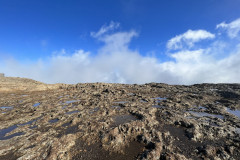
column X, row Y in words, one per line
column 156, row 40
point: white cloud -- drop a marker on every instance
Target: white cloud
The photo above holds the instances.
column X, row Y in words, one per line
column 115, row 62
column 117, row 42
column 188, row 39
column 232, row 28
column 104, row 29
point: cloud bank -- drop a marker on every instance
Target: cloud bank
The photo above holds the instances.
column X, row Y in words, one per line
column 115, row 62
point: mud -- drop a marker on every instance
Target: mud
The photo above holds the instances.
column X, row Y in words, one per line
column 120, row 121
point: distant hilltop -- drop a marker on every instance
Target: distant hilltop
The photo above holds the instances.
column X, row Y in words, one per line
column 17, row 83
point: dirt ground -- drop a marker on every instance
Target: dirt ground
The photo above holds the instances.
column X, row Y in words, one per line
column 119, row 121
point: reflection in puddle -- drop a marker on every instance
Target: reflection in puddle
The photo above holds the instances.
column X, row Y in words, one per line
column 30, row 122
column 120, row 102
column 158, row 106
column 7, row 130
column 234, row 112
column 201, row 107
column 71, row 112
column 53, row 120
column 118, row 120
column 12, row 135
column 204, row 114
column 3, row 132
column 36, row 104
column 6, row 107
column 66, row 124
column 72, row 101
column 160, row 99
column 143, row 101
column 117, row 107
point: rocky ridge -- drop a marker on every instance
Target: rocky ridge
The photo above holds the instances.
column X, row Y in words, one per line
column 20, row 84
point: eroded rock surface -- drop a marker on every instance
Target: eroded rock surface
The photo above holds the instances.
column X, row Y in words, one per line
column 119, row 121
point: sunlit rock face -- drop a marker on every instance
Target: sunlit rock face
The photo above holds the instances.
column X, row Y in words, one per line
column 118, row 121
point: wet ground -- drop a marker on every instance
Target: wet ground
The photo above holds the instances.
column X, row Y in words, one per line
column 118, row 121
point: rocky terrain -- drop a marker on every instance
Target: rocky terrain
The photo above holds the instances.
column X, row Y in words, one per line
column 118, row 121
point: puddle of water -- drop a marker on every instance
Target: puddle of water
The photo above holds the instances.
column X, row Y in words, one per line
column 24, row 95
column 53, row 120
column 201, row 107
column 143, row 101
column 204, row 114
column 116, row 106
column 72, row 101
column 36, row 104
column 159, row 99
column 69, row 129
column 3, row 132
column 71, row 112
column 158, row 106
column 6, row 107
column 234, row 112
column 28, row 123
column 120, row 102
column 66, row 124
column 118, row 120
column 12, row 135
